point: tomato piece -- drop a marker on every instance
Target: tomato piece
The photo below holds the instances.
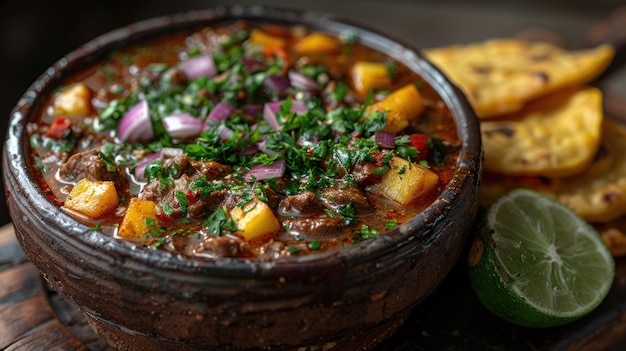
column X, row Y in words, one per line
column 421, row 143
column 279, row 52
column 59, row 127
column 191, row 197
column 164, row 217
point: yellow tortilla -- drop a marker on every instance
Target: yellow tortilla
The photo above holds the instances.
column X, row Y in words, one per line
column 500, row 75
column 598, row 194
column 554, row 136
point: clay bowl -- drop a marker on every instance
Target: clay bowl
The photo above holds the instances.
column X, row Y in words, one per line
column 139, row 299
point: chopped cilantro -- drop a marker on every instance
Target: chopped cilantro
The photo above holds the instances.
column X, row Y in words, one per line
column 182, row 201
column 364, row 233
column 315, row 245
column 220, row 222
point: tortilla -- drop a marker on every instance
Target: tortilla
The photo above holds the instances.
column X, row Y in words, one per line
column 598, row 194
column 612, row 234
column 554, row 136
column 500, row 75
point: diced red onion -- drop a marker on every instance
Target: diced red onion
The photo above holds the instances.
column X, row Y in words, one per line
column 182, row 125
column 221, row 111
column 262, row 172
column 253, row 65
column 276, row 83
column 170, row 152
column 136, row 125
column 263, row 147
column 385, row 140
column 164, row 154
column 224, row 132
column 253, row 110
column 311, row 141
column 199, row 66
column 140, row 167
column 250, row 150
column 271, row 108
column 302, row 81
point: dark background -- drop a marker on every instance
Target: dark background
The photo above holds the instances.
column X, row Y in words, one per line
column 36, row 33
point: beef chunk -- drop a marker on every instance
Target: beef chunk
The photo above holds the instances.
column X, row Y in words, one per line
column 363, row 173
column 188, row 172
column 89, row 164
column 337, row 197
column 154, row 191
column 317, row 228
column 303, row 204
column 211, row 170
column 221, row 246
column 174, row 76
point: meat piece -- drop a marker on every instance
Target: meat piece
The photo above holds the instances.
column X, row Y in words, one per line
column 338, row 197
column 154, row 191
column 317, row 228
column 88, row 164
column 221, row 246
column 211, row 170
column 174, row 76
column 187, row 173
column 362, row 173
column 211, row 202
column 303, row 204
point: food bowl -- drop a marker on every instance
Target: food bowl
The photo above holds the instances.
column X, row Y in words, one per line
column 137, row 298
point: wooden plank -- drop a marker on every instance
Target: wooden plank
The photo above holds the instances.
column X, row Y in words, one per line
column 19, row 283
column 47, row 336
column 10, row 251
column 21, row 317
column 23, row 302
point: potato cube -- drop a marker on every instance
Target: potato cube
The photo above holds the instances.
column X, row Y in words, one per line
column 403, row 106
column 140, row 218
column 263, row 38
column 254, row 220
column 74, row 100
column 93, row 198
column 370, row 75
column 407, row 181
column 316, row 43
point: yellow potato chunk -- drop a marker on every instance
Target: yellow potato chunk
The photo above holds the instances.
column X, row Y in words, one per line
column 92, row 198
column 263, row 38
column 315, row 43
column 403, row 106
column 139, row 219
column 74, row 100
column 254, row 220
column 370, row 75
column 407, row 181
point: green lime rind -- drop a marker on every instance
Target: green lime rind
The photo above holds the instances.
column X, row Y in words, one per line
column 536, row 263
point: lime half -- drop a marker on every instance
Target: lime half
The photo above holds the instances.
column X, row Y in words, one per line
column 538, row 264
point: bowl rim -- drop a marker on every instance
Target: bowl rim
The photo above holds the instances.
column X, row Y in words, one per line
column 466, row 174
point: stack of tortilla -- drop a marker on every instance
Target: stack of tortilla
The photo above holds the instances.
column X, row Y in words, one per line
column 543, row 126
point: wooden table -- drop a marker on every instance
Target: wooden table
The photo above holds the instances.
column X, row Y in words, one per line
column 32, row 317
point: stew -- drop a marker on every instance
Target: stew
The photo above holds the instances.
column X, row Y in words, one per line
column 246, row 140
